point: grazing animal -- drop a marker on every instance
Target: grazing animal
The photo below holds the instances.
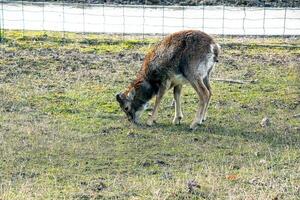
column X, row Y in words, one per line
column 182, row 57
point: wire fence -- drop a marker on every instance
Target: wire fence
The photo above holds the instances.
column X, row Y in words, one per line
column 148, row 19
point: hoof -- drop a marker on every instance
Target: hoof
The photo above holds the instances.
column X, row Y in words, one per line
column 177, row 120
column 194, row 125
column 151, row 122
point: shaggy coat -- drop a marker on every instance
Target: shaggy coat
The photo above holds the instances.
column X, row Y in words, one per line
column 185, row 56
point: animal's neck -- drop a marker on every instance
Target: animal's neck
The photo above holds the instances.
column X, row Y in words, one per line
column 143, row 93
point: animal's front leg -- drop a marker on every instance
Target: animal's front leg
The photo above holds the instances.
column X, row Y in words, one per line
column 153, row 116
column 159, row 96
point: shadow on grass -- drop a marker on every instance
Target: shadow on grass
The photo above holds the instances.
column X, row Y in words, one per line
column 270, row 135
column 115, row 117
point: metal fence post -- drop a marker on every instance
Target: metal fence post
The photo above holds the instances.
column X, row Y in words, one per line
column 83, row 18
column 284, row 21
column 203, row 16
column 144, row 20
column 43, row 10
column 264, row 20
column 223, row 21
column 1, row 29
column 2, row 24
column 123, row 24
column 163, row 20
column 23, row 18
column 63, row 16
column 182, row 17
column 244, row 18
column 103, row 15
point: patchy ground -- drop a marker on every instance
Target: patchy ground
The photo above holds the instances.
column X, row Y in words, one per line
column 62, row 134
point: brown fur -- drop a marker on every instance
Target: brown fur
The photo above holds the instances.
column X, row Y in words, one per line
column 178, row 55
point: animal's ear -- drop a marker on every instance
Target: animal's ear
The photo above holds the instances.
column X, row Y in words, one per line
column 131, row 95
column 119, row 97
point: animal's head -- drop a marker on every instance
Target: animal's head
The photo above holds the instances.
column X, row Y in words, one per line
column 126, row 101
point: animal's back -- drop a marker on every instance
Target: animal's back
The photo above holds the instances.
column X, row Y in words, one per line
column 176, row 53
column 182, row 56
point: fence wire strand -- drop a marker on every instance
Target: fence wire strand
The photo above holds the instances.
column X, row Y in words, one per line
column 148, row 19
column 23, row 18
column 83, row 18
column 63, row 20
column 284, row 21
column 2, row 23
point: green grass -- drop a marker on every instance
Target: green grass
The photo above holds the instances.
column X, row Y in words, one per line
column 63, row 136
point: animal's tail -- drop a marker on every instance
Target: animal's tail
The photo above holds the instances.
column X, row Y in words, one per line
column 216, row 51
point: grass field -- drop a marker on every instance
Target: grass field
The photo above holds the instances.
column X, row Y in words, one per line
column 63, row 136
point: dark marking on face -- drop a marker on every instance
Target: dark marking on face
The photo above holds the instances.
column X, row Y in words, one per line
column 125, row 106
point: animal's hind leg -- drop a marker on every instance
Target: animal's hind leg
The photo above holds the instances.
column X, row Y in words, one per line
column 207, row 84
column 203, row 94
column 178, row 111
